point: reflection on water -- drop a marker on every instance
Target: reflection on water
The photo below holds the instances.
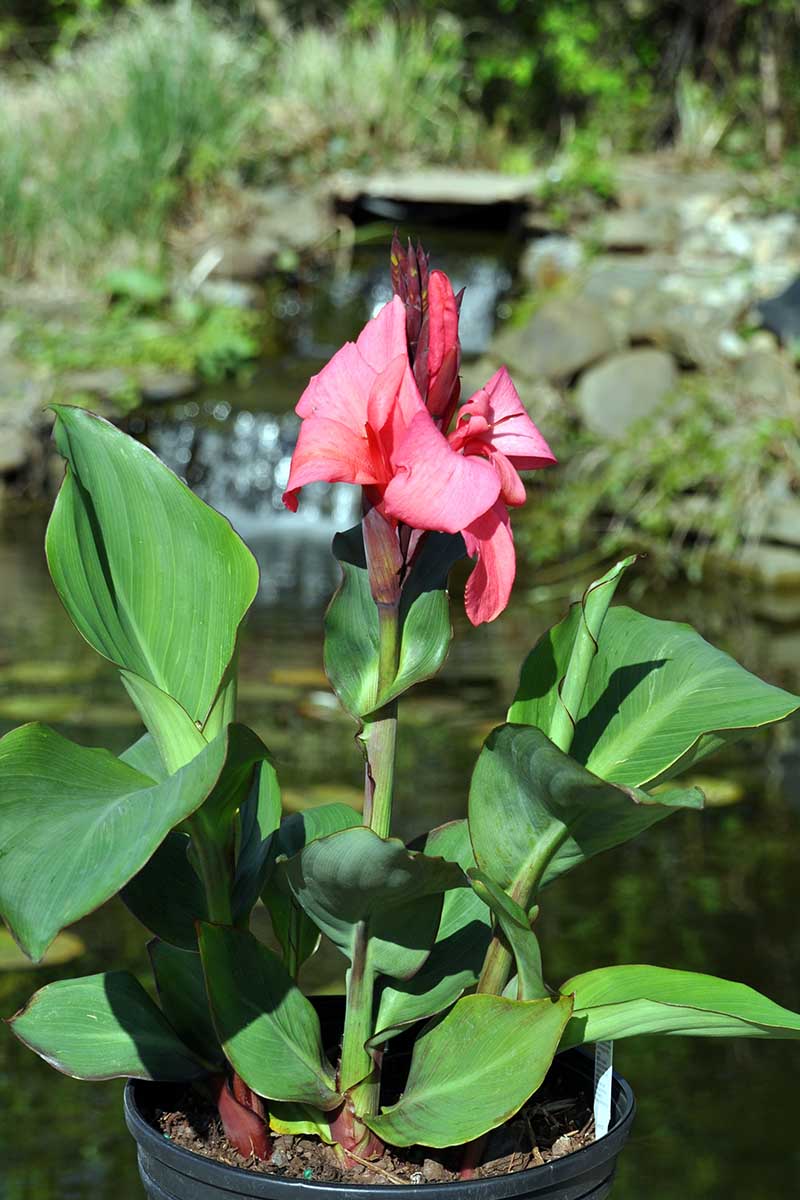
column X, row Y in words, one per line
column 714, row 891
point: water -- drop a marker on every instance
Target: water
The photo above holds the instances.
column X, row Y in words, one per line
column 711, row 892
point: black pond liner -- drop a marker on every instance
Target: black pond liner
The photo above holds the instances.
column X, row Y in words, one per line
column 169, row 1172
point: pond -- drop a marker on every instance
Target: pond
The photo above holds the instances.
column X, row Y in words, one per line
column 717, row 891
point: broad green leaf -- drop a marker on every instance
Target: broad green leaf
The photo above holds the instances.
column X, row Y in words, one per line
column 174, row 732
column 144, row 756
column 181, row 990
column 554, row 676
column 297, row 934
column 268, row 1029
column 474, row 1069
column 167, row 895
column 456, row 957
column 102, row 1027
column 658, row 699
column 351, row 622
column 356, row 878
column 517, row 931
column 77, row 824
column 153, row 578
column 624, row 1001
column 259, row 817
column 298, row 1120
column 535, row 813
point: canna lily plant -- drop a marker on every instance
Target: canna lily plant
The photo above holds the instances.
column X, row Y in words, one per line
column 440, row 938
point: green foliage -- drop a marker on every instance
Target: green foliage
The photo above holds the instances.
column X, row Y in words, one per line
column 387, row 94
column 680, row 484
column 103, row 1027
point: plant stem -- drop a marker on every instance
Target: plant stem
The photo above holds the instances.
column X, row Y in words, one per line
column 214, row 871
column 380, row 734
column 358, row 1071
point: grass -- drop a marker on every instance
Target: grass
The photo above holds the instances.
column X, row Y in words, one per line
column 121, row 136
column 394, row 94
column 106, row 142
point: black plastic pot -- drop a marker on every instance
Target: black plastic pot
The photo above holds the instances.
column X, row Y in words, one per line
column 171, row 1173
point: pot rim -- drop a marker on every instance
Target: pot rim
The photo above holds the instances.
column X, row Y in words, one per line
column 494, row 1187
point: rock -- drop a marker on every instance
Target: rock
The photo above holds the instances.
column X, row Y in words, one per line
column 248, row 258
column 231, row 293
column 694, row 331
column 614, row 395
column 782, row 523
column 440, row 185
column 642, row 229
column 163, row 387
column 781, row 314
column 769, row 376
column 564, row 335
column 296, row 219
column 773, row 566
column 547, row 261
column 22, row 397
column 433, row 1171
column 105, row 383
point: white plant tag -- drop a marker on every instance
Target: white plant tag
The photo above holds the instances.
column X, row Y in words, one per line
column 603, row 1060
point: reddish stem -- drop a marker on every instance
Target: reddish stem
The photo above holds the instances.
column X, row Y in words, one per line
column 243, row 1117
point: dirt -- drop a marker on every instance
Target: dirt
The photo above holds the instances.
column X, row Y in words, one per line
column 556, row 1122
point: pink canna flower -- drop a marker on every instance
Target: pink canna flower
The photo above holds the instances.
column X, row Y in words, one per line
column 365, row 422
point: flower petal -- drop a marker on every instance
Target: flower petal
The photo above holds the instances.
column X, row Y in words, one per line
column 513, row 432
column 489, row 585
column 436, row 488
column 342, row 388
column 331, row 452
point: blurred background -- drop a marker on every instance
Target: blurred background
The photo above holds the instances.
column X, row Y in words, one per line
column 196, row 203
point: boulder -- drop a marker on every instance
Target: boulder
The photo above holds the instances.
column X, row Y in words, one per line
column 565, row 335
column 769, row 376
column 248, row 258
column 547, row 261
column 772, row 566
column 163, row 387
column 637, row 229
column 620, row 391
column 22, row 397
column 104, row 383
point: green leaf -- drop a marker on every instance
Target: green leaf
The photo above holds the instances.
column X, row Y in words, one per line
column 473, row 1070
column 355, row 877
column 174, row 732
column 182, row 992
column 297, row 934
column 144, row 756
column 517, row 931
column 298, row 1120
column 624, row 1001
column 535, row 813
column 351, row 622
column 259, row 818
column 268, row 1029
column 77, row 824
column 153, row 578
column 456, row 957
column 554, row 675
column 658, row 699
column 102, row 1027
column 168, row 873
